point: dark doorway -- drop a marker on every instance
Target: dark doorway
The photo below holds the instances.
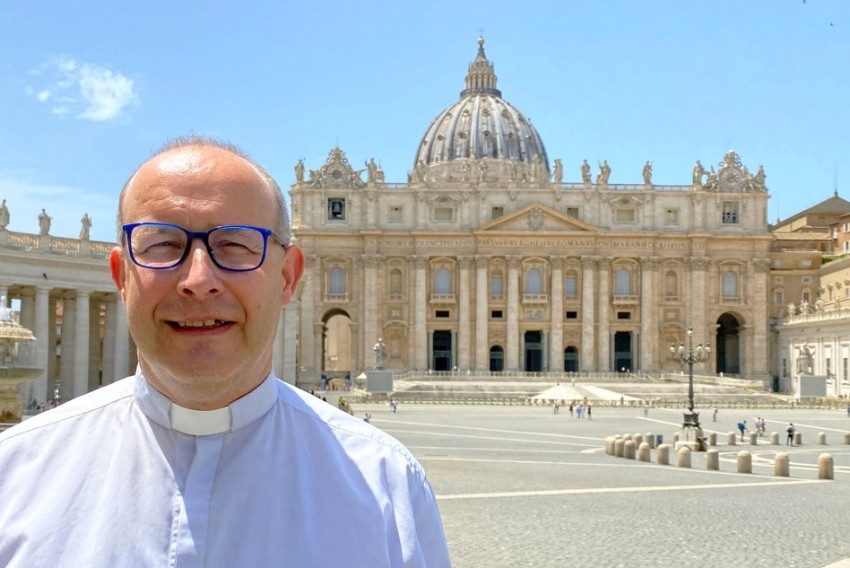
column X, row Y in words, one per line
column 571, row 359
column 442, row 358
column 497, row 359
column 623, row 351
column 728, row 345
column 534, row 351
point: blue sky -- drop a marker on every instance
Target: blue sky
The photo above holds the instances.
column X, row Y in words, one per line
column 89, row 89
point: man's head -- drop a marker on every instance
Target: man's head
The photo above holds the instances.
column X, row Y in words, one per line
column 204, row 333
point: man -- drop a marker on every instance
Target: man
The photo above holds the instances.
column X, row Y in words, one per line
column 742, row 426
column 790, row 431
column 204, row 457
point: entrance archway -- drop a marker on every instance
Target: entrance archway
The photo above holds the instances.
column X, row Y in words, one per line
column 623, row 351
column 497, row 359
column 442, row 356
column 534, row 351
column 336, row 349
column 728, row 344
column 571, row 359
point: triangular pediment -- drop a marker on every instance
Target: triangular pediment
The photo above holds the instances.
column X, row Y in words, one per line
column 537, row 218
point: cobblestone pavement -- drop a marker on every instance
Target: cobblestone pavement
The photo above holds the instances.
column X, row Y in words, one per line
column 522, row 486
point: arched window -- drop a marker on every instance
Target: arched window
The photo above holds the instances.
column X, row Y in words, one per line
column 443, row 281
column 533, row 282
column 336, row 283
column 730, row 284
column 496, row 285
column 571, row 286
column 623, row 285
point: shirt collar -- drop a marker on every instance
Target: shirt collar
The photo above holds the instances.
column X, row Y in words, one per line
column 236, row 415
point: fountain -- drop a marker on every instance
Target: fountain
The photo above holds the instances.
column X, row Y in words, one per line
column 13, row 368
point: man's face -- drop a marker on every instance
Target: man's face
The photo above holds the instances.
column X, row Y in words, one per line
column 204, row 335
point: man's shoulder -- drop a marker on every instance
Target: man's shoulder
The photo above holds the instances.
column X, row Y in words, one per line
column 81, row 406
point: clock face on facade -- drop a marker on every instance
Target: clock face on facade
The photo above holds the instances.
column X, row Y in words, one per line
column 336, row 172
column 731, row 178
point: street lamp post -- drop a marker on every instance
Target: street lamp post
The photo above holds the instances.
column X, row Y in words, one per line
column 690, row 355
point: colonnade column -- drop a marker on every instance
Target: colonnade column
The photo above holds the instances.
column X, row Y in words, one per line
column 109, row 332
column 588, row 312
column 371, row 333
column 512, row 355
column 463, row 332
column 648, row 352
column 81, row 345
column 556, row 323
column 420, row 321
column 482, row 309
column 69, row 340
column 603, row 326
column 42, row 351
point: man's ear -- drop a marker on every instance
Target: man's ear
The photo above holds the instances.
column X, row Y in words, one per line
column 293, row 268
column 118, row 269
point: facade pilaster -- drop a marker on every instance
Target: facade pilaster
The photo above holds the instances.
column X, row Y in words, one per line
column 463, row 332
column 370, row 302
column 556, row 321
column 512, row 355
column 697, row 302
column 81, row 344
column 603, row 326
column 648, row 314
column 588, row 312
column 310, row 350
column 420, row 316
column 761, row 333
column 482, row 309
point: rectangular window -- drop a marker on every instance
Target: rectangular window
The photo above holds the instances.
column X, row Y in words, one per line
column 671, row 217
column 778, row 298
column 806, row 280
column 572, row 212
column 336, row 209
column 496, row 314
column 805, row 263
column 571, row 315
column 625, row 215
column 496, row 286
column 444, row 214
column 846, row 246
column 846, row 226
column 624, row 315
column 443, row 314
column 729, row 215
column 571, row 287
column 497, row 212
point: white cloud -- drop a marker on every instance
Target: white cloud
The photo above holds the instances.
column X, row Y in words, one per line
column 85, row 90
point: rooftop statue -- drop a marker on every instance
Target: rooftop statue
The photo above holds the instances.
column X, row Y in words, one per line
column 699, row 171
column 86, row 225
column 4, row 215
column 299, row 171
column 558, row 173
column 44, row 222
column 647, row 173
column 585, row 172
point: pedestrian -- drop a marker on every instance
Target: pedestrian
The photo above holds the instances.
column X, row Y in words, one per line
column 790, row 430
column 714, row 414
column 588, row 411
column 645, row 410
column 571, row 409
column 204, row 457
column 556, row 407
column 742, row 426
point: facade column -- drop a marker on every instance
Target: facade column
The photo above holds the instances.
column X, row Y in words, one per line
column 603, row 326
column 27, row 319
column 556, row 323
column 121, row 361
column 81, row 344
column 41, row 392
column 371, row 331
column 109, row 332
column 759, row 357
column 420, row 321
column 512, row 351
column 696, row 302
column 588, row 312
column 69, row 325
column 285, row 345
column 482, row 310
column 463, row 343
column 648, row 315
column 308, row 373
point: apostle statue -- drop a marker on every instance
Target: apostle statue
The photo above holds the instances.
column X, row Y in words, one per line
column 44, row 222
column 4, row 215
column 380, row 353
column 86, row 225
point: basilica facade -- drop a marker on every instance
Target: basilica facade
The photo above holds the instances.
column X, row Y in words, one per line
column 487, row 259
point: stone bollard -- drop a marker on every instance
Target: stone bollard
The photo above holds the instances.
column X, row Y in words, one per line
column 643, row 452
column 627, row 436
column 619, row 447
column 712, row 460
column 663, row 456
column 731, row 439
column 638, row 439
column 629, row 450
column 847, row 437
column 745, row 462
column 609, row 445
column 684, row 457
column 825, row 467
column 675, row 438
column 822, row 438
column 651, row 439
column 774, row 438
column 754, row 439
column 781, row 465
column 712, row 438
column 798, row 438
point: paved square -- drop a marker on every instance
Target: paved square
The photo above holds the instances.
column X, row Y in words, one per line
column 522, row 486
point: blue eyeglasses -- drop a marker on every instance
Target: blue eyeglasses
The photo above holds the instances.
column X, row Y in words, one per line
column 237, row 248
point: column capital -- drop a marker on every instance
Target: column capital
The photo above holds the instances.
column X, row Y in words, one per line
column 698, row 262
column 465, row 260
column 482, row 260
column 761, row 265
column 419, row 261
column 589, row 262
column 513, row 261
column 370, row 260
column 557, row 261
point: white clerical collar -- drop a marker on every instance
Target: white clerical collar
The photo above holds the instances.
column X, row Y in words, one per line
column 238, row 414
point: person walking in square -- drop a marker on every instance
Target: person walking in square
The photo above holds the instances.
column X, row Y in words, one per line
column 790, row 430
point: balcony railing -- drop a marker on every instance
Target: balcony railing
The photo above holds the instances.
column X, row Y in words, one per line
column 443, row 298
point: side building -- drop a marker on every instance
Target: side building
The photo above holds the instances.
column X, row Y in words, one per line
column 487, row 260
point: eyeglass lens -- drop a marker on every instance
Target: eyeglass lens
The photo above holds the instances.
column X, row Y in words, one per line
column 159, row 246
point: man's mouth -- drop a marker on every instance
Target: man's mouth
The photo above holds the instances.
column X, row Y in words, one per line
column 211, row 323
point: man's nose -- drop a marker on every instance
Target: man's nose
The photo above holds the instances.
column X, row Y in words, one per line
column 200, row 276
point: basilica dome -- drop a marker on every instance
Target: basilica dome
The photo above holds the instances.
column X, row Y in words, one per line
column 482, row 126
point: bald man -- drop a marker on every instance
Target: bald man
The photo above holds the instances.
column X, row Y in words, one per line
column 204, row 457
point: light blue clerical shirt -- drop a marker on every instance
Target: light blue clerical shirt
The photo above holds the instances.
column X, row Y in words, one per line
column 123, row 477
